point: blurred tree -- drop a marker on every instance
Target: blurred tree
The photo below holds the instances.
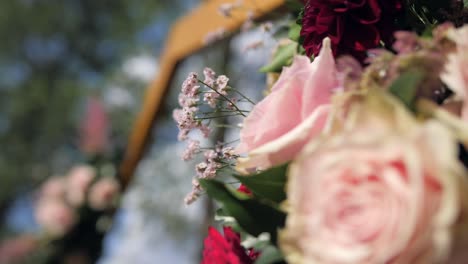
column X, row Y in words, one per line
column 52, row 53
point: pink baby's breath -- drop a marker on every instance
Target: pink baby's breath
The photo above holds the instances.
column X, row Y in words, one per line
column 221, row 84
column 211, row 155
column 211, row 99
column 210, row 76
column 192, row 148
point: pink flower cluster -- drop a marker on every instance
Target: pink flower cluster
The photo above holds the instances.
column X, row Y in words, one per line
column 220, row 104
column 218, row 85
column 61, row 197
column 185, row 117
column 214, row 160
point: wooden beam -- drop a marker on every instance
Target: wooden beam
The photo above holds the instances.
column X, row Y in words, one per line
column 186, row 37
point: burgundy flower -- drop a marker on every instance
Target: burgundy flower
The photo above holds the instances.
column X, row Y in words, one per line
column 354, row 26
column 227, row 249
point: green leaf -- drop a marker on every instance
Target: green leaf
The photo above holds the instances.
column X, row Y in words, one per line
column 270, row 255
column 406, row 87
column 283, row 57
column 465, row 3
column 295, row 31
column 268, row 184
column 253, row 216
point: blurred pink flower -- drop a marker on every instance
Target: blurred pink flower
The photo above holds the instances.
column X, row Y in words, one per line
column 375, row 194
column 103, row 193
column 79, row 179
column 295, row 111
column 94, row 130
column 54, row 187
column 55, row 216
column 456, row 69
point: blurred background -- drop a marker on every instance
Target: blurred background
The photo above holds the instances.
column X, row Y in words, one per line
column 72, row 79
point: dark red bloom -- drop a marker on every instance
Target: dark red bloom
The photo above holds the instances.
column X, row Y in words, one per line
column 227, row 249
column 354, row 26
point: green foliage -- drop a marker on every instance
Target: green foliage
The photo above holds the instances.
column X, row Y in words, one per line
column 268, row 184
column 406, row 87
column 295, row 32
column 253, row 216
column 283, row 57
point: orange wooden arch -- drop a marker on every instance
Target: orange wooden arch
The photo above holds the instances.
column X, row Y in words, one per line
column 186, row 37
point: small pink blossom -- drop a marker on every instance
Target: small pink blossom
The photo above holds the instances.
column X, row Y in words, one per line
column 191, row 197
column 295, row 111
column 190, row 86
column 211, row 169
column 192, row 148
column 79, row 179
column 103, row 193
column 228, row 153
column 211, row 98
column 221, row 84
column 207, row 169
column 206, row 130
column 185, row 119
column 55, row 216
column 211, row 155
column 210, row 76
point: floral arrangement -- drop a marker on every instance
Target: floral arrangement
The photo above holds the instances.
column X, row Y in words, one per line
column 358, row 152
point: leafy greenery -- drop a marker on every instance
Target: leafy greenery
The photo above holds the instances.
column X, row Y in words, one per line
column 255, row 217
column 268, row 184
column 283, row 57
column 406, row 86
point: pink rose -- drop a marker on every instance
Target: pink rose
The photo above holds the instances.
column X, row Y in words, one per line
column 295, row 111
column 79, row 179
column 456, row 69
column 375, row 194
column 55, row 216
column 103, row 193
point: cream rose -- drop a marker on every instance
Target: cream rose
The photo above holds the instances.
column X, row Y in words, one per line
column 374, row 194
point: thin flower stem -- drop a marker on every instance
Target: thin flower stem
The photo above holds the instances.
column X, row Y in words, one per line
column 227, row 126
column 243, row 96
column 225, row 97
column 223, row 111
column 214, row 117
